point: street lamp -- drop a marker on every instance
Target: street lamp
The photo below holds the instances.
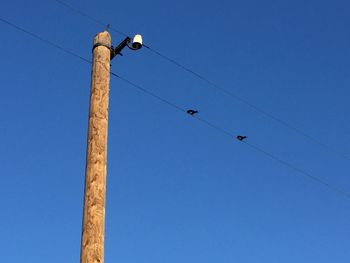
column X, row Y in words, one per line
column 135, row 45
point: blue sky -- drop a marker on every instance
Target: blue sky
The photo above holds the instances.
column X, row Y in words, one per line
column 179, row 191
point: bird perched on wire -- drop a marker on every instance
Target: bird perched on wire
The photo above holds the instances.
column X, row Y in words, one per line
column 241, row 138
column 192, row 112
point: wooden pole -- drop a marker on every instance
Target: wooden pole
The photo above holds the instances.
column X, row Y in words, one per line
column 92, row 241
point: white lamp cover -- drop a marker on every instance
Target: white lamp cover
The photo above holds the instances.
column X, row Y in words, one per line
column 137, row 41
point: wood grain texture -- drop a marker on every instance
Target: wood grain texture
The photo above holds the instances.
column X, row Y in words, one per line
column 92, row 242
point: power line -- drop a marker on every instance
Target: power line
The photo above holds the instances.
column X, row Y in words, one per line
column 48, row 42
column 175, row 106
column 227, row 133
column 249, row 104
column 97, row 21
column 220, row 88
column 149, row 93
column 300, row 171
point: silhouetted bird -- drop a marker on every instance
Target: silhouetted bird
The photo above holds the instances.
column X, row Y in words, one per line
column 241, row 138
column 192, row 112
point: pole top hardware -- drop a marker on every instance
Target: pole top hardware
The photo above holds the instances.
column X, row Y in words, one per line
column 134, row 44
column 98, row 44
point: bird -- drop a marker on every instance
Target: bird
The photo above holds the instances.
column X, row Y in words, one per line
column 241, row 138
column 192, row 112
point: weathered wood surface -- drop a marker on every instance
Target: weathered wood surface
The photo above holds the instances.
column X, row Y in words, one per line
column 92, row 242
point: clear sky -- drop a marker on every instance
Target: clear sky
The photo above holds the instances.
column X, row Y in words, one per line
column 178, row 190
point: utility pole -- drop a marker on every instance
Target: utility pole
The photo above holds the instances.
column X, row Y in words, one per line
column 92, row 240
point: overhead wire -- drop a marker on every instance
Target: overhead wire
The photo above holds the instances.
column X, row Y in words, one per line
column 231, row 135
column 149, row 92
column 97, row 21
column 218, row 87
column 175, row 106
column 48, row 42
column 251, row 105
column 299, row 170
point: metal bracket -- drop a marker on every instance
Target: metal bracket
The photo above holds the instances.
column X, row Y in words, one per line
column 98, row 44
column 117, row 51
